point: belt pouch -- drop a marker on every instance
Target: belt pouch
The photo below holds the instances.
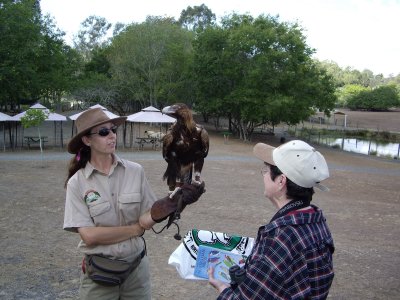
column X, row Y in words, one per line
column 109, row 272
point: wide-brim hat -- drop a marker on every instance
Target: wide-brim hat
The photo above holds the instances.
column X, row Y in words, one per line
column 299, row 161
column 85, row 122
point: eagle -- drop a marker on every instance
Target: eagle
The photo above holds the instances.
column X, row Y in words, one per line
column 185, row 146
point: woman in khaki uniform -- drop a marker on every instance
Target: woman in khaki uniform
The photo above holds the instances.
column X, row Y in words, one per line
column 110, row 203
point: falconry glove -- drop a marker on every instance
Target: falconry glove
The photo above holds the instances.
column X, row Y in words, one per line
column 176, row 202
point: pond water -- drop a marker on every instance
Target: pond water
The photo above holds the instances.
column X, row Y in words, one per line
column 363, row 146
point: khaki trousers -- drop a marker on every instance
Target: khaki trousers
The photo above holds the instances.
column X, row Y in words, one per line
column 136, row 286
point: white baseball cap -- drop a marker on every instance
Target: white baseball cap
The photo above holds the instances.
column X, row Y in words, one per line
column 300, row 162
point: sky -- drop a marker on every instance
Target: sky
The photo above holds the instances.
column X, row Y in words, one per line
column 360, row 34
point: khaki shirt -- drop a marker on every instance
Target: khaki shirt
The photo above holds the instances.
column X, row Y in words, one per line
column 116, row 199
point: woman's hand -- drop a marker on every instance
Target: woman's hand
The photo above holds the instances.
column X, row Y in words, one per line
column 217, row 284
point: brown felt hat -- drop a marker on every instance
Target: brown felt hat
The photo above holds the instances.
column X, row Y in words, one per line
column 85, row 122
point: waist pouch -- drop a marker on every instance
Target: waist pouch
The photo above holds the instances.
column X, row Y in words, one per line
column 110, row 272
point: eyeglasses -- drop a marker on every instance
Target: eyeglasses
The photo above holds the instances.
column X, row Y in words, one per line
column 105, row 131
column 265, row 170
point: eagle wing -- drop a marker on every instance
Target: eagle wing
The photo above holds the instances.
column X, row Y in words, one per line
column 167, row 144
column 169, row 154
column 201, row 152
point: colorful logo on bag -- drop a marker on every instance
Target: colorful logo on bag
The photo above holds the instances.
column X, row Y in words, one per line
column 91, row 196
column 194, row 238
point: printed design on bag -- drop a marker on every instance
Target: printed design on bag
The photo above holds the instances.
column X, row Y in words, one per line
column 91, row 196
column 194, row 238
column 221, row 260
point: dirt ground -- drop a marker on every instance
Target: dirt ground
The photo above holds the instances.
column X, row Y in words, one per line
column 40, row 261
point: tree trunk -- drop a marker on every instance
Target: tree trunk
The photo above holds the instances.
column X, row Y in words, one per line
column 242, row 131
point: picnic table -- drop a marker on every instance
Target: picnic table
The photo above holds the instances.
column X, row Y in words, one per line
column 142, row 141
column 35, row 140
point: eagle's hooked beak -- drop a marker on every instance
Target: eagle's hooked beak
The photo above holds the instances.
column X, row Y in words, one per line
column 166, row 110
column 169, row 110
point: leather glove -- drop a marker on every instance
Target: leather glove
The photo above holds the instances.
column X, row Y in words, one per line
column 176, row 202
column 192, row 192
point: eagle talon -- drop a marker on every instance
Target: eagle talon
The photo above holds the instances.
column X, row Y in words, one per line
column 174, row 192
column 196, row 181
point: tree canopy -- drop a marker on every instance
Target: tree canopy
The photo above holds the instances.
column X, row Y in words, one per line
column 258, row 71
column 197, row 17
column 149, row 60
column 35, row 63
column 92, row 36
column 379, row 99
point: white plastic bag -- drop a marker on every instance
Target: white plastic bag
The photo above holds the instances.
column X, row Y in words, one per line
column 184, row 256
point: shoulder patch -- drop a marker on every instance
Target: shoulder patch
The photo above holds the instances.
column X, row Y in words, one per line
column 91, row 196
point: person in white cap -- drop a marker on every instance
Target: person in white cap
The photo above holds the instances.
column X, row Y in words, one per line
column 292, row 255
column 110, row 203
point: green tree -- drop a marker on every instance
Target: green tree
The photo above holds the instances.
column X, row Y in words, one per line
column 57, row 64
column 349, row 76
column 34, row 118
column 379, row 99
column 95, row 83
column 265, row 70
column 148, row 61
column 91, row 36
column 210, row 70
column 19, row 33
column 347, row 92
column 118, row 28
column 34, row 61
column 333, row 70
column 197, row 17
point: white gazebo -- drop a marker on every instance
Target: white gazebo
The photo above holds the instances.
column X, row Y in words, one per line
column 50, row 117
column 149, row 114
column 107, row 112
column 75, row 116
column 3, row 119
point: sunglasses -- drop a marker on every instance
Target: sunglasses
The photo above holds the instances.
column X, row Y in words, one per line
column 105, row 131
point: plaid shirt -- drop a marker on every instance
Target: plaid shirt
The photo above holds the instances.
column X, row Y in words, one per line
column 291, row 259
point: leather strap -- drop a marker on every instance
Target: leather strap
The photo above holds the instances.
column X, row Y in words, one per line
column 137, row 261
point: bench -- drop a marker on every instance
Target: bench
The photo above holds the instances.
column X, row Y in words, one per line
column 263, row 130
column 154, row 142
column 35, row 140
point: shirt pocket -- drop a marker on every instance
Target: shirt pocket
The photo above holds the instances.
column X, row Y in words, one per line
column 98, row 211
column 129, row 206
